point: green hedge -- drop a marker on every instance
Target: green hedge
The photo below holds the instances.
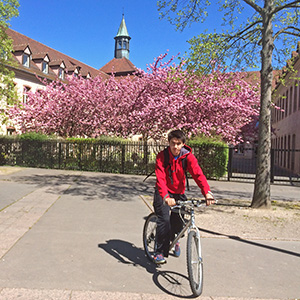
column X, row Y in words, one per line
column 212, row 156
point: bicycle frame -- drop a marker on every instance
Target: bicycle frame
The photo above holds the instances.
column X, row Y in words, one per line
column 190, row 225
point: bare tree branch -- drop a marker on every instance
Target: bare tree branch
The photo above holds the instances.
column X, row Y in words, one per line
column 288, row 5
column 247, row 28
column 285, row 30
column 254, row 5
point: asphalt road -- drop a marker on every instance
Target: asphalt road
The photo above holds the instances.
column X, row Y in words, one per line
column 79, row 235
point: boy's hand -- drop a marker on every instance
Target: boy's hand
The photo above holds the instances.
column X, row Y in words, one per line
column 209, row 199
column 170, row 201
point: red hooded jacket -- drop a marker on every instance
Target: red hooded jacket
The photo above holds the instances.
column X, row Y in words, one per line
column 163, row 180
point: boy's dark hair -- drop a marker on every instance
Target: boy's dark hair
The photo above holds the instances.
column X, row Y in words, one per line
column 178, row 134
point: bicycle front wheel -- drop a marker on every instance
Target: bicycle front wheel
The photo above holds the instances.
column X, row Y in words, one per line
column 149, row 235
column 194, row 263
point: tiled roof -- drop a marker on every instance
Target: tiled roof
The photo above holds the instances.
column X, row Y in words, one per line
column 39, row 50
column 119, row 66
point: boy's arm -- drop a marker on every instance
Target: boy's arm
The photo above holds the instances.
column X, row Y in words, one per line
column 197, row 174
column 160, row 173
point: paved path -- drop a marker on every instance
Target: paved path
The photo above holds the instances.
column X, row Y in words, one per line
column 77, row 235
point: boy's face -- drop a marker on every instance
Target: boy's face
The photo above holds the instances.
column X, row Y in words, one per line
column 175, row 146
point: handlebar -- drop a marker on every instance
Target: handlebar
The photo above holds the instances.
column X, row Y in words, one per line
column 192, row 202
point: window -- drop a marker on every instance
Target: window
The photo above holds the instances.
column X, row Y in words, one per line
column 286, row 104
column 45, row 67
column 277, row 111
column 124, row 45
column 76, row 72
column 299, row 95
column 25, row 60
column 288, row 151
column 10, row 131
column 61, row 73
column 295, row 97
column 291, row 101
column 280, row 111
column 3, row 55
column 25, row 94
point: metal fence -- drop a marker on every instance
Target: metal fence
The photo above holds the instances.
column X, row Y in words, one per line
column 242, row 164
column 113, row 157
column 230, row 163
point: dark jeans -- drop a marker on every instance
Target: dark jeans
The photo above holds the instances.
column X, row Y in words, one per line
column 168, row 223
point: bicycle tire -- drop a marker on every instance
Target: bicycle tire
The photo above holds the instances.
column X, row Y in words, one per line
column 149, row 236
column 194, row 263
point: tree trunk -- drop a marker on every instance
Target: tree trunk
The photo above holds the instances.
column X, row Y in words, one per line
column 262, row 194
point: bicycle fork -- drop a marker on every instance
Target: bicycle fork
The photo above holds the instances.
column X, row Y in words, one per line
column 195, row 228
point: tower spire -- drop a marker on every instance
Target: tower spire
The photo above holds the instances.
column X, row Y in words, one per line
column 122, row 41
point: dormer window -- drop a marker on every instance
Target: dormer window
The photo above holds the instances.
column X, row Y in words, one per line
column 61, row 73
column 26, row 57
column 58, row 67
column 25, row 60
column 76, row 72
column 45, row 65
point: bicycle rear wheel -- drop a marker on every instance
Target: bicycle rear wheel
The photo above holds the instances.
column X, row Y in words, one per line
column 149, row 235
column 194, row 263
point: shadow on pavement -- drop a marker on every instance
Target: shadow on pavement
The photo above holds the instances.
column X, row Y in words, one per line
column 171, row 283
column 92, row 187
column 127, row 253
column 237, row 238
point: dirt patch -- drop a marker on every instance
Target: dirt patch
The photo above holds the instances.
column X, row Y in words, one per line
column 236, row 218
column 9, row 170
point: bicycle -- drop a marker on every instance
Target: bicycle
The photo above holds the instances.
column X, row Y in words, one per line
column 194, row 254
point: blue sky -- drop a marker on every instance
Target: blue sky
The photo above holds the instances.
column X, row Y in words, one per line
column 85, row 30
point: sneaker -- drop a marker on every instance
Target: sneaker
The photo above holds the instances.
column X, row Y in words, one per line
column 177, row 250
column 159, row 259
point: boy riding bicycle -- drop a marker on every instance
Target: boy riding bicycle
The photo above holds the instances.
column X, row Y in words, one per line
column 170, row 187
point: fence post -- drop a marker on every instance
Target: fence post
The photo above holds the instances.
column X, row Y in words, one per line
column 272, row 165
column 146, row 156
column 100, row 158
column 59, row 155
column 79, row 153
column 123, row 159
column 229, row 167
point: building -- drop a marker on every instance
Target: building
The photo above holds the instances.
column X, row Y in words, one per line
column 286, row 119
column 36, row 62
column 120, row 65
